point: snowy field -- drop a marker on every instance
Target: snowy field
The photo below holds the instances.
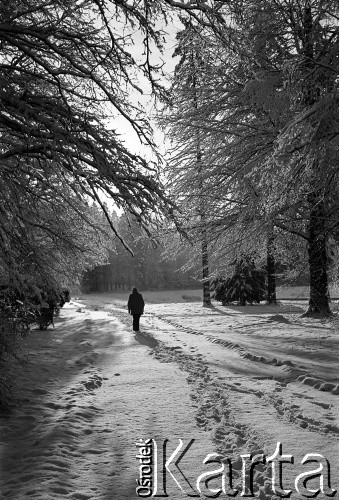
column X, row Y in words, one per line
column 236, row 380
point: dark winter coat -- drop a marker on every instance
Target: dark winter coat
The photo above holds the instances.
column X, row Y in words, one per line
column 136, row 303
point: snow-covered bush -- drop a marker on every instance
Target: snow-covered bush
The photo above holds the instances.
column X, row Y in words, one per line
column 245, row 286
column 19, row 308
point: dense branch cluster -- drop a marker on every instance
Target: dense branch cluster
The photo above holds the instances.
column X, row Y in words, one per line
column 66, row 75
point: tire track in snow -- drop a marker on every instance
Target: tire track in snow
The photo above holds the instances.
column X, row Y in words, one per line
column 216, row 414
column 213, row 414
column 289, row 412
column 295, row 373
column 208, row 396
column 217, row 403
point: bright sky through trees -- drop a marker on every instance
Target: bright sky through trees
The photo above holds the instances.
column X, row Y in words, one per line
column 146, row 99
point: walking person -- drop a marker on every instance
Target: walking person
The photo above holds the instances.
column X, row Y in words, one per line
column 136, row 307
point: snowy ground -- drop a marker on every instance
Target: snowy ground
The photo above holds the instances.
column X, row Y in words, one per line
column 236, row 380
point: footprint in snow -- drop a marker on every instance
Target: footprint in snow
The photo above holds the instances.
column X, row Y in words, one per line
column 54, row 406
column 40, row 392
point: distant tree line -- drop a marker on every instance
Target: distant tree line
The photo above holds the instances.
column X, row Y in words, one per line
column 152, row 266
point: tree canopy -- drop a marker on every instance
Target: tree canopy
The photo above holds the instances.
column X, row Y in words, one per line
column 264, row 113
column 268, row 117
column 66, row 75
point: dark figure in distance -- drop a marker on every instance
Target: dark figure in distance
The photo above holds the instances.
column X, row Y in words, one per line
column 136, row 307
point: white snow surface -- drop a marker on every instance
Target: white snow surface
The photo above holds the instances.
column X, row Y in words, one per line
column 236, row 380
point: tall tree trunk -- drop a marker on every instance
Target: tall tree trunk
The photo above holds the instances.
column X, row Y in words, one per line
column 317, row 257
column 271, row 282
column 206, row 301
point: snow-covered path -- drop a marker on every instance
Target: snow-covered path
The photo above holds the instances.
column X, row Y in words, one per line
column 235, row 383
column 90, row 392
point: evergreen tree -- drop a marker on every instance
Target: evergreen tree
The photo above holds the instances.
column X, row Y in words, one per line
column 245, row 286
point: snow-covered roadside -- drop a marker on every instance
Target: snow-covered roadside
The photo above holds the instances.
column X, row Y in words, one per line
column 221, row 376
